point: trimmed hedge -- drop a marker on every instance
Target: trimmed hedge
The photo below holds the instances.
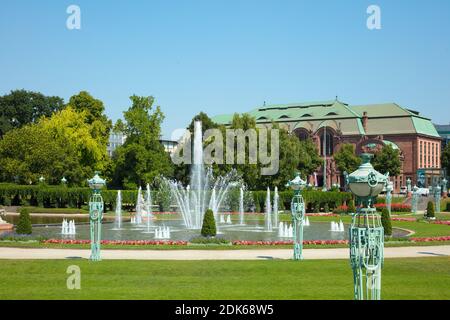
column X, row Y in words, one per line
column 314, row 200
column 62, row 197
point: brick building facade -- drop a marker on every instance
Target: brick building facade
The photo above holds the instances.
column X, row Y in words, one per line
column 368, row 127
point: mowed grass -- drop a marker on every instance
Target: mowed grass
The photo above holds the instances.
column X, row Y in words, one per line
column 413, row 278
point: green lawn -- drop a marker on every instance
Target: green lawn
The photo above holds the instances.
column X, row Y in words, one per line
column 414, row 278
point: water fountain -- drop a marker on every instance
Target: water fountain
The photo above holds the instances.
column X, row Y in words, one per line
column 68, row 227
column 268, row 215
column 241, row 206
column 148, row 204
column 337, row 226
column 118, row 217
column 275, row 207
column 285, row 230
column 139, row 208
column 193, row 200
column 162, row 233
column 306, row 224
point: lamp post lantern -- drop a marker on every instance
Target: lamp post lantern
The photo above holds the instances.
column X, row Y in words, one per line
column 366, row 231
column 444, row 187
column 298, row 214
column 64, row 180
column 389, row 188
column 96, row 215
column 415, row 199
column 437, row 199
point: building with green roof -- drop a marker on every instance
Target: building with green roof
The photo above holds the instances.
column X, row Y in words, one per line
column 367, row 127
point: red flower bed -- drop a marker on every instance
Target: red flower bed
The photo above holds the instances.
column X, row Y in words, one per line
column 248, row 213
column 404, row 219
column 287, row 242
column 428, row 239
column 446, row 222
column 395, row 207
column 341, row 209
column 322, row 215
column 120, row 242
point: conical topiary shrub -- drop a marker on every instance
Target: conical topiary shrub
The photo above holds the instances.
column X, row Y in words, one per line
column 24, row 225
column 209, row 224
column 430, row 209
column 386, row 222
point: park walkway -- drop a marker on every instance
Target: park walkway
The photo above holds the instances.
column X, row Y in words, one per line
column 262, row 254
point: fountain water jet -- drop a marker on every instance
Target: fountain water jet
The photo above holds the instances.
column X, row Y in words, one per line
column 268, row 216
column 241, row 206
column 118, row 217
column 193, row 200
column 148, row 204
column 275, row 207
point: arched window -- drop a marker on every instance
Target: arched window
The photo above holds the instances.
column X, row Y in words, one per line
column 262, row 118
column 302, row 134
column 328, row 137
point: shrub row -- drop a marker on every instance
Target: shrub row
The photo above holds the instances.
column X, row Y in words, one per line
column 62, row 197
column 315, row 201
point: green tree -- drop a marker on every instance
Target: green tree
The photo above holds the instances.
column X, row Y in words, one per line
column 445, row 158
column 209, row 224
column 119, row 126
column 61, row 145
column 24, row 224
column 346, row 159
column 142, row 157
column 388, row 160
column 94, row 115
column 386, row 222
column 21, row 107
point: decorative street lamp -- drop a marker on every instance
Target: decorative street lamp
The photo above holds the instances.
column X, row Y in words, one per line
column 298, row 214
column 408, row 187
column 389, row 188
column 63, row 180
column 96, row 215
column 415, row 199
column 366, row 231
column 437, row 199
column 444, row 187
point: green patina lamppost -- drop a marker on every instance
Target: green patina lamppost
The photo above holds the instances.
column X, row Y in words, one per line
column 366, row 231
column 96, row 215
column 437, row 198
column 415, row 199
column 298, row 215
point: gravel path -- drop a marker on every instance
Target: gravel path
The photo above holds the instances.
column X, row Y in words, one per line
column 339, row 253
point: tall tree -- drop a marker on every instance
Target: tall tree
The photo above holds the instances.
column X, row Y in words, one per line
column 21, row 107
column 94, row 112
column 28, row 152
column 445, row 159
column 346, row 158
column 142, row 157
column 388, row 160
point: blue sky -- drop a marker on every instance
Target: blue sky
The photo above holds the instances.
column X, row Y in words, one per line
column 230, row 56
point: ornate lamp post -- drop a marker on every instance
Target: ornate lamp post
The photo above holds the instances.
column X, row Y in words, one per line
column 389, row 189
column 415, row 199
column 366, row 231
column 408, row 186
column 96, row 215
column 298, row 214
column 437, row 198
column 444, row 187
